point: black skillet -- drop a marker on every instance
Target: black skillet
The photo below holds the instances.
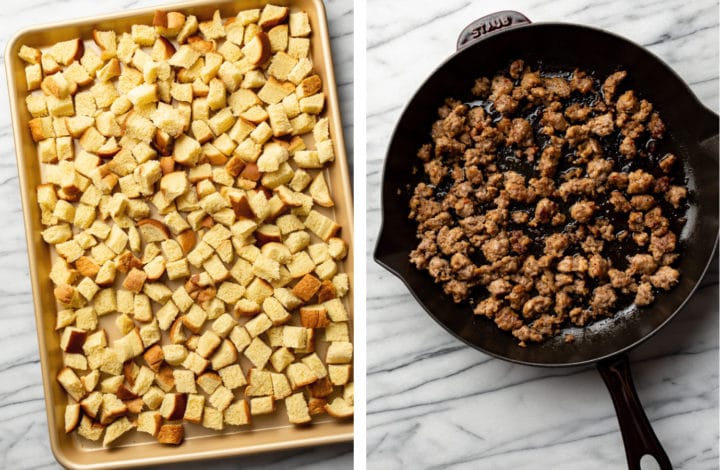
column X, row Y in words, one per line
column 484, row 47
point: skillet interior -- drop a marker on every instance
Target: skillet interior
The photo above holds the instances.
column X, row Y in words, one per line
column 564, row 46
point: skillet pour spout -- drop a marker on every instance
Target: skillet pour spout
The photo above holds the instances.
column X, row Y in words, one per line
column 485, row 46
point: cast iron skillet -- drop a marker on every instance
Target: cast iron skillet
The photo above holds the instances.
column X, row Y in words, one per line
column 484, row 47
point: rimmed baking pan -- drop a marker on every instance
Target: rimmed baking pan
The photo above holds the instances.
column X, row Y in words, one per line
column 484, row 47
column 268, row 433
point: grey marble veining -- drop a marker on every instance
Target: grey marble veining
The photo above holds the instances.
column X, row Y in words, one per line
column 435, row 403
column 23, row 425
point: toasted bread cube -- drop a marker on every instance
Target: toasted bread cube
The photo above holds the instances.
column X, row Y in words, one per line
column 212, row 419
column 281, row 65
column 209, row 382
column 296, row 242
column 326, row 270
column 216, row 269
column 182, row 299
column 336, row 310
column 196, row 363
column 75, row 361
column 258, row 290
column 232, row 376
column 287, row 298
column 246, row 307
column 107, row 42
column 91, row 404
column 89, row 429
column 278, row 37
column 150, row 334
column 262, row 405
column 149, row 422
column 185, row 57
column 258, row 353
column 339, row 352
column 297, row 409
column 216, row 98
column 275, row 311
column 221, row 398
column 186, row 151
column 86, row 318
column 274, row 91
column 30, row 55
column 307, row 287
column 316, row 365
column 174, row 354
column 172, row 434
column 72, row 417
column 309, row 345
column 166, row 315
column 300, row 264
column 33, row 77
column 307, row 159
column 222, row 121
column 58, row 233
column 177, row 269
column 230, row 292
column 258, row 325
column 298, row 47
column 65, row 52
column 303, row 123
column 223, row 325
column 64, row 318
column 294, row 337
column 124, row 323
column 299, row 24
column 316, row 406
column 36, row 104
column 266, row 268
column 275, row 336
column 49, row 64
column 154, row 397
column 71, row 383
column 257, row 47
column 105, row 302
column 300, row 375
column 129, row 346
column 281, row 386
column 225, row 355
column 184, row 381
column 201, row 131
column 41, row 128
column 208, row 343
column 281, row 358
column 177, row 25
column 117, row 429
column 299, row 72
column 240, row 338
column 237, row 414
column 337, row 331
column 200, row 254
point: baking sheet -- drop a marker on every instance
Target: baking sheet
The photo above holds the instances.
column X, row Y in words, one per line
column 267, row 433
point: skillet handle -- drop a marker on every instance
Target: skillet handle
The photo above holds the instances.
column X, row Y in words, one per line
column 637, row 433
column 489, row 25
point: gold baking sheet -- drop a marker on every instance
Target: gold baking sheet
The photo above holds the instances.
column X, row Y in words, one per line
column 267, row 433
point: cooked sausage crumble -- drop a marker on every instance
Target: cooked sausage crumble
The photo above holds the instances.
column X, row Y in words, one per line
column 546, row 203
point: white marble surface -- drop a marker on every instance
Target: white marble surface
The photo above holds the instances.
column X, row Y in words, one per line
column 23, row 429
column 435, row 403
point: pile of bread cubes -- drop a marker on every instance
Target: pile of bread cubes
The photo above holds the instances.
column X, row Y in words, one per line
column 185, row 207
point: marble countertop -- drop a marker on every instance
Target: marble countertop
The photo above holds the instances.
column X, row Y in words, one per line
column 23, row 426
column 433, row 402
